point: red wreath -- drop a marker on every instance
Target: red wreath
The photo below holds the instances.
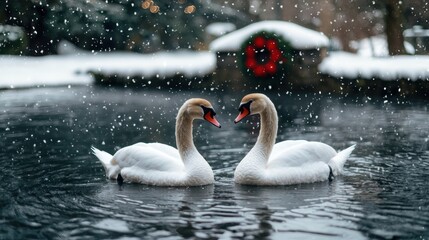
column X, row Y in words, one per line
column 263, row 56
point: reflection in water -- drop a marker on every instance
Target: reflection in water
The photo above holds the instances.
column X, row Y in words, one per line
column 167, row 207
column 51, row 187
column 303, row 211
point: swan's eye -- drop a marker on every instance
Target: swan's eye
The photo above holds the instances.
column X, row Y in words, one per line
column 208, row 110
column 209, row 114
column 245, row 106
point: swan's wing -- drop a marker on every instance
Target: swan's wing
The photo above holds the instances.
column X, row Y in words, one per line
column 299, row 153
column 278, row 147
column 167, row 149
column 147, row 157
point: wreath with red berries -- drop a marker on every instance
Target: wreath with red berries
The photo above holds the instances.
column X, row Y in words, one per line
column 265, row 55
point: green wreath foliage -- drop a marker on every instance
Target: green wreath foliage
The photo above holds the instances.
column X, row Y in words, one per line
column 265, row 55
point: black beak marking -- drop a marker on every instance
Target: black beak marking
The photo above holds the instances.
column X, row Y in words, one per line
column 245, row 105
column 208, row 110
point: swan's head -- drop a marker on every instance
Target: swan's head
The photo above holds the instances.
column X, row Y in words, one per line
column 199, row 108
column 251, row 104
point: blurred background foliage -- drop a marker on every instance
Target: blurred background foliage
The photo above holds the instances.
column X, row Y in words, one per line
column 152, row 25
column 107, row 25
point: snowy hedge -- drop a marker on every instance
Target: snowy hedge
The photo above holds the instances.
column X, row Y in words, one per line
column 12, row 40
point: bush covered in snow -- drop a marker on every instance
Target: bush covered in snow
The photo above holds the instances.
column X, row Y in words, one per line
column 12, row 39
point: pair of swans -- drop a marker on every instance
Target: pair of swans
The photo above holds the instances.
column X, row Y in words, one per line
column 267, row 163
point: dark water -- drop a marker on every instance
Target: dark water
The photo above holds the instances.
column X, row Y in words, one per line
column 51, row 187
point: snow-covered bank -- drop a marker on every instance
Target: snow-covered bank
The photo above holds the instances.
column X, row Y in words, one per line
column 16, row 72
column 352, row 66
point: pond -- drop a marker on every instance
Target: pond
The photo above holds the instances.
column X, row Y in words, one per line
column 52, row 187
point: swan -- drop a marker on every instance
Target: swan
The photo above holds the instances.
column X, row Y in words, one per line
column 160, row 164
column 288, row 162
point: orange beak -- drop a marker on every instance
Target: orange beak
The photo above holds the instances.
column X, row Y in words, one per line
column 211, row 119
column 244, row 112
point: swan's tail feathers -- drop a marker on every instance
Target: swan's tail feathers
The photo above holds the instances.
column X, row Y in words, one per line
column 106, row 160
column 337, row 162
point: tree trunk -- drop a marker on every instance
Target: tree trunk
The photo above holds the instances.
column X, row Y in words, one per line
column 327, row 15
column 393, row 22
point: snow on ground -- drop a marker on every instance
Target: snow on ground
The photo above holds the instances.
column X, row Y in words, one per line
column 299, row 37
column 16, row 71
column 352, row 66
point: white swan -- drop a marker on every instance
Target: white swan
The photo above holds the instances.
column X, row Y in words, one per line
column 163, row 165
column 287, row 162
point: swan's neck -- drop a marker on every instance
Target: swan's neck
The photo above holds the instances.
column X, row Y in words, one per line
column 184, row 139
column 198, row 170
column 268, row 130
column 251, row 168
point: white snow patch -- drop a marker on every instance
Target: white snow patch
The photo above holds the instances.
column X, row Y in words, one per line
column 299, row 37
column 68, row 48
column 376, row 46
column 218, row 28
column 19, row 72
column 416, row 31
column 54, row 70
column 10, row 33
column 163, row 64
column 348, row 65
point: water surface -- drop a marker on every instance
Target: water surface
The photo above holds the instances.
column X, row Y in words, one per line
column 51, row 187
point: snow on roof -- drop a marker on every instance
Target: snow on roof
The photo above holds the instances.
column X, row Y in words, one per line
column 298, row 36
column 54, row 70
column 352, row 66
